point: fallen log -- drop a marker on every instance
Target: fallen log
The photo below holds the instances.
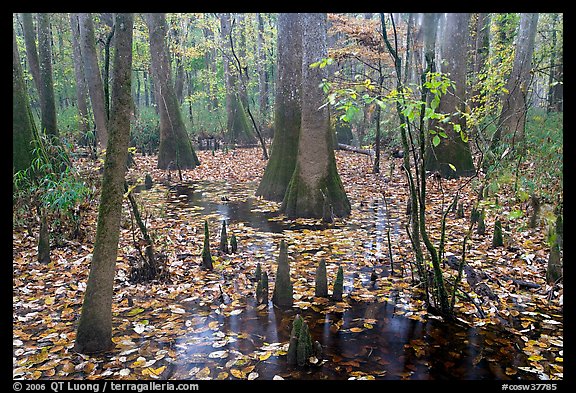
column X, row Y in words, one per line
column 368, row 152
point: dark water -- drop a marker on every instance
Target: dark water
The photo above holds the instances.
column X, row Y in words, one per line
column 390, row 346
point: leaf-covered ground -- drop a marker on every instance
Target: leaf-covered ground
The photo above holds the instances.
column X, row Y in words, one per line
column 184, row 328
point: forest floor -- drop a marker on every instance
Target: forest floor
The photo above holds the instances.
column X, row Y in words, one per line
column 159, row 327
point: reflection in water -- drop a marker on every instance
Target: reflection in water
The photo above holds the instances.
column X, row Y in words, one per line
column 389, row 347
column 367, row 338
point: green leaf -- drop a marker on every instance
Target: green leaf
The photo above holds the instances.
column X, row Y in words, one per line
column 436, row 140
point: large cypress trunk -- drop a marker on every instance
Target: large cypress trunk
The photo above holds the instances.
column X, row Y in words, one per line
column 94, row 332
column 287, row 114
column 315, row 182
column 452, row 157
column 175, row 145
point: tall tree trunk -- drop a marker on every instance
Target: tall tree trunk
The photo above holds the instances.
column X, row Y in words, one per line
column 23, row 127
column 93, row 78
column 31, row 51
column 315, row 185
column 481, row 52
column 510, row 129
column 555, row 80
column 175, row 144
column 452, row 157
column 238, row 126
column 262, row 70
column 48, row 104
column 287, row 110
column 94, row 332
column 81, row 89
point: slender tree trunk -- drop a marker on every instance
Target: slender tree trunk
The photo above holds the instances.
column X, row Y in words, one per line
column 93, row 78
column 510, row 129
column 555, row 80
column 81, row 89
column 262, row 70
column 238, row 126
column 94, row 332
column 452, row 158
column 175, row 144
column 23, row 127
column 48, row 104
column 287, row 111
column 31, row 51
column 315, row 185
column 481, row 52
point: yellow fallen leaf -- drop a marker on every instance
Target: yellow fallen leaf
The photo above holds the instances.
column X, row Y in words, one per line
column 368, row 325
column 204, row 373
column 222, row 375
column 237, row 373
column 535, row 358
column 140, row 362
column 213, row 325
column 264, row 356
column 135, row 311
column 356, row 330
column 153, row 372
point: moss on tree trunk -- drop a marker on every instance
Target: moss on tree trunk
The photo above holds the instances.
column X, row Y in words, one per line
column 23, row 127
column 287, row 112
column 94, row 332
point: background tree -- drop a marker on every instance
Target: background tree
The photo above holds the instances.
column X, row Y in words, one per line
column 81, row 88
column 23, row 126
column 31, row 51
column 93, row 78
column 48, row 104
column 238, row 127
column 94, row 333
column 512, row 119
column 452, row 157
column 287, row 109
column 175, row 144
column 315, row 183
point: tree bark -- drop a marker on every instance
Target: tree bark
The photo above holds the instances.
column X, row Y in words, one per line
column 238, row 126
column 81, row 89
column 93, row 78
column 510, row 128
column 47, row 104
column 481, row 52
column 315, row 182
column 262, row 70
column 94, row 332
column 287, row 111
column 23, row 126
column 31, row 51
column 453, row 150
column 175, row 144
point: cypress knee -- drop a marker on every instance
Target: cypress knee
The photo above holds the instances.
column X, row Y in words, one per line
column 224, row 239
column 233, row 244
column 206, row 255
column 338, row 288
column 282, row 296
column 497, row 240
column 321, row 289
